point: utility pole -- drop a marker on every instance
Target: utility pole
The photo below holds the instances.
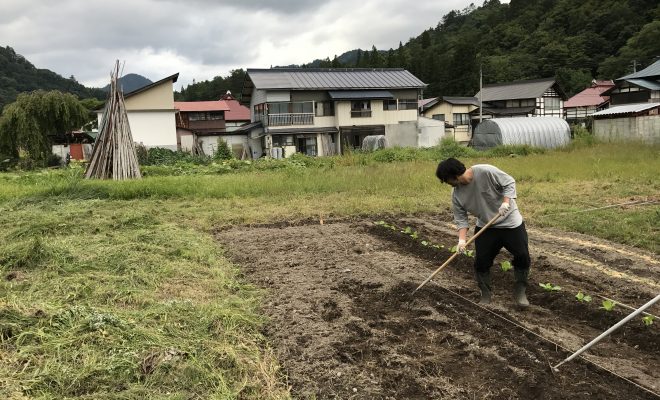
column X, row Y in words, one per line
column 634, row 66
column 481, row 88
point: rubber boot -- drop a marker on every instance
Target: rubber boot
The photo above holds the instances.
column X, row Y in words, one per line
column 483, row 281
column 520, row 286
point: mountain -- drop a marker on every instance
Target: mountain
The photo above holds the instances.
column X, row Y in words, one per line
column 18, row 75
column 524, row 39
column 130, row 82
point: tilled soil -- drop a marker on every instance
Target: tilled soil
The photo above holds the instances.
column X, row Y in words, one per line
column 345, row 324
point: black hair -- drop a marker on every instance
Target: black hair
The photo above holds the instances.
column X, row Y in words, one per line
column 450, row 168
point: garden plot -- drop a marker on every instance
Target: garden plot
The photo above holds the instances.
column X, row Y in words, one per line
column 344, row 323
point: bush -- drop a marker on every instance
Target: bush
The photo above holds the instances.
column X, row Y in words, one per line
column 450, row 148
column 54, row 160
column 223, row 152
column 7, row 162
column 142, row 154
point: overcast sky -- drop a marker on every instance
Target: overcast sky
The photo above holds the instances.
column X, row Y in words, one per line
column 201, row 39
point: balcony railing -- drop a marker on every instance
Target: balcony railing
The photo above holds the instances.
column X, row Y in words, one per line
column 291, row 119
column 360, row 113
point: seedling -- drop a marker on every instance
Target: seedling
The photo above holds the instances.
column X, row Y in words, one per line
column 469, row 253
column 648, row 320
column 550, row 287
column 425, row 243
column 581, row 297
column 414, row 235
column 505, row 265
column 608, row 305
column 408, row 230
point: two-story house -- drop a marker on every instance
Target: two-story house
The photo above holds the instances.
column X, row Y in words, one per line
column 634, row 112
column 321, row 112
column 530, row 98
column 583, row 105
column 199, row 124
column 455, row 111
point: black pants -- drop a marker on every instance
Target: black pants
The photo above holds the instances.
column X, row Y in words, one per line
column 489, row 243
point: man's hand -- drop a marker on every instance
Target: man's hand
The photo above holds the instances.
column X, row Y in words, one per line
column 461, row 247
column 504, row 209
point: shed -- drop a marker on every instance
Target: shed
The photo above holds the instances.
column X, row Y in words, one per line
column 545, row 132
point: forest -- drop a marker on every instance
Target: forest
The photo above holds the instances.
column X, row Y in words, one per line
column 524, row 39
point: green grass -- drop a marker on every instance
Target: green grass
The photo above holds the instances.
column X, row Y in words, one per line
column 117, row 290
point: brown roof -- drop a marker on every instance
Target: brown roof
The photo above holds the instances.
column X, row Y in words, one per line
column 592, row 96
column 187, row 106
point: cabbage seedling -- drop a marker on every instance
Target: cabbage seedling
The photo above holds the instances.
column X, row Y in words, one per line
column 505, row 265
column 648, row 320
column 608, row 305
column 583, row 297
column 550, row 287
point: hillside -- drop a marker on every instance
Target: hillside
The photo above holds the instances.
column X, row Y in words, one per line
column 130, row 82
column 18, row 75
column 573, row 41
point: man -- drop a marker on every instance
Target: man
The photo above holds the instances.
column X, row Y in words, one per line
column 485, row 191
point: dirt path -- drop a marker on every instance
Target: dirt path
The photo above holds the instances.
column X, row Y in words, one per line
column 345, row 325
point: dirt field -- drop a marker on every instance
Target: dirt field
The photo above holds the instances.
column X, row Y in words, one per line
column 345, row 325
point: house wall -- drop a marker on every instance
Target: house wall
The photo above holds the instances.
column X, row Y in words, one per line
column 210, row 143
column 153, row 128
column 403, row 134
column 641, row 129
column 185, row 139
column 159, row 97
column 273, row 96
column 431, row 131
column 378, row 115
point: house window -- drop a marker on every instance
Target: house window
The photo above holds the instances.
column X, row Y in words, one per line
column 360, row 108
column 205, row 116
column 282, row 140
column 461, row 119
column 407, row 104
column 439, row 117
column 551, row 103
column 325, row 109
column 389, row 105
column 307, row 146
column 520, row 103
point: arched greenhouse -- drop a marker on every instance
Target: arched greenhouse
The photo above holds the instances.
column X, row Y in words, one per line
column 545, row 132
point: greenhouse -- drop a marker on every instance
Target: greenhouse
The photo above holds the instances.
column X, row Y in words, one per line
column 545, row 132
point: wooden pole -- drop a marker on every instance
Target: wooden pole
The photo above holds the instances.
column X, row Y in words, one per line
column 476, row 235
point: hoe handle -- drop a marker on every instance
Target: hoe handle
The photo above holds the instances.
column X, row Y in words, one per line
column 476, row 235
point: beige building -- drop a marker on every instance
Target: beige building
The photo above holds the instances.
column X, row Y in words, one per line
column 151, row 114
column 455, row 112
column 320, row 112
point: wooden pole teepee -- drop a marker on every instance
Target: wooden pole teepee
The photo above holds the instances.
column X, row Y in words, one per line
column 114, row 154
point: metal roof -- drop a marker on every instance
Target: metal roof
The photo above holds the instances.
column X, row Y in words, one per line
column 592, row 96
column 651, row 70
column 188, row 106
column 645, row 83
column 333, row 78
column 473, row 101
column 516, row 90
column 359, row 94
column 627, row 109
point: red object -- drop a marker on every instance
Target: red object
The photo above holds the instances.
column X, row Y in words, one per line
column 591, row 96
column 76, row 151
column 237, row 111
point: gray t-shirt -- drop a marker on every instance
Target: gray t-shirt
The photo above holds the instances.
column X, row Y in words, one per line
column 483, row 196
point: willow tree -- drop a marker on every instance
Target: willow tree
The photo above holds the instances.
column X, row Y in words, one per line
column 27, row 124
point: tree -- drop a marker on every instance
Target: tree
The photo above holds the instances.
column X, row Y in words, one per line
column 27, row 125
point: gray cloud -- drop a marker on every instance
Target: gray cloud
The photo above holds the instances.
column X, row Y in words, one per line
column 203, row 38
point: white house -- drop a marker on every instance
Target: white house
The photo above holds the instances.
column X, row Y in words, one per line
column 151, row 114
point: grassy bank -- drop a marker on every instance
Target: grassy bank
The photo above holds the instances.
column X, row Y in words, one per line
column 117, row 289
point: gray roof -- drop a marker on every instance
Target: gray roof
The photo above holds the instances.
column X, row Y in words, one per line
column 333, row 78
column 626, row 109
column 461, row 100
column 359, row 94
column 516, row 90
column 651, row 70
column 645, row 83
